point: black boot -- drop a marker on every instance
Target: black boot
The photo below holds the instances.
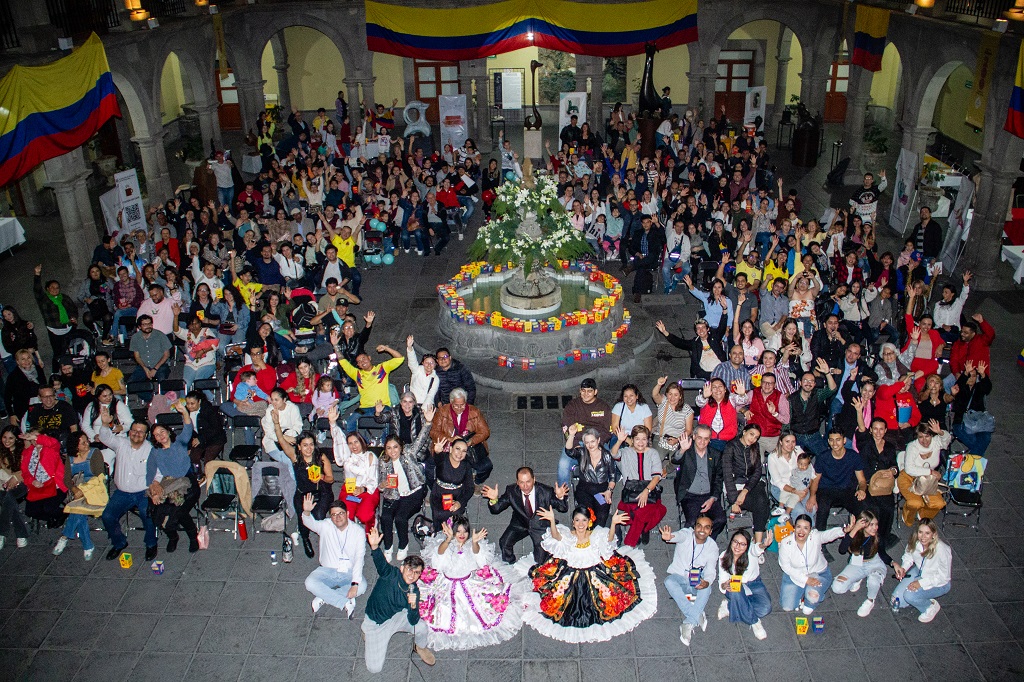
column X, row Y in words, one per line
column 151, row 553
column 645, row 537
column 307, row 546
column 115, row 552
column 172, row 543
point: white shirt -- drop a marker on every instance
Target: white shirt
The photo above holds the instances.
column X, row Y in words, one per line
column 342, row 550
column 289, row 268
column 422, row 386
column 91, row 422
column 753, row 571
column 916, row 460
column 935, row 572
column 291, row 424
column 691, row 554
column 363, row 468
column 950, row 314
column 800, row 564
column 130, row 470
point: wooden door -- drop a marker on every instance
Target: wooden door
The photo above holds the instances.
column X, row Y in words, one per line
column 229, row 112
column 835, row 95
column 433, row 79
column 735, row 75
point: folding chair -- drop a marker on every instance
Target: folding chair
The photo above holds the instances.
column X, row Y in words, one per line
column 168, row 385
column 120, row 355
column 172, row 420
column 963, row 477
column 243, row 421
column 212, row 384
column 220, row 501
column 372, row 431
column 136, row 388
column 267, row 499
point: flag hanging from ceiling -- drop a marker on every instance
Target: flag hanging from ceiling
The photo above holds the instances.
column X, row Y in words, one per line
column 870, row 30
column 52, row 109
column 1015, row 112
column 605, row 30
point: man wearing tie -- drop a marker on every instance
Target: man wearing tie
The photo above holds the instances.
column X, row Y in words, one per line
column 525, row 497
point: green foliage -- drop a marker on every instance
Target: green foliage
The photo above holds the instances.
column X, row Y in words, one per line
column 558, row 75
column 876, row 140
column 614, row 84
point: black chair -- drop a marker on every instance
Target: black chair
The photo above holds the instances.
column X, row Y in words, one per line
column 243, row 421
column 221, row 502
column 371, row 430
column 168, row 385
column 137, row 388
column 120, row 355
column 212, row 384
column 172, row 420
column 244, row 454
column 264, row 504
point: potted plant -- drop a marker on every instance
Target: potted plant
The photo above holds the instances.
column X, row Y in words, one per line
column 191, row 153
column 876, row 146
column 929, row 189
column 790, row 109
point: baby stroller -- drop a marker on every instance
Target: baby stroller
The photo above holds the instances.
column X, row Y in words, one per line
column 82, row 347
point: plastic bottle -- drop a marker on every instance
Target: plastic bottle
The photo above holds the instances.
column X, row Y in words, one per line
column 243, row 532
column 895, row 604
column 286, row 550
column 273, row 558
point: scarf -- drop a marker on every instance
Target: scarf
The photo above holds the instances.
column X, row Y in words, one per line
column 58, row 301
column 32, row 374
column 36, row 468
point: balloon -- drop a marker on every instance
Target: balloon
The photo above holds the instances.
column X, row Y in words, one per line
column 375, row 259
column 388, row 259
column 374, row 224
column 510, row 176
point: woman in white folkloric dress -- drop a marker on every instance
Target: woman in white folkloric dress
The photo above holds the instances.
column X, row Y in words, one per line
column 468, row 598
column 590, row 590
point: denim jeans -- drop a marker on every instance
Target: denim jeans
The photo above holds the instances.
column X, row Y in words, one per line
column 678, row 587
column 790, row 593
column 352, row 423
column 873, row 570
column 280, row 457
column 77, row 526
column 407, row 238
column 977, row 443
column 467, row 203
column 140, row 375
column 332, row 585
column 116, row 327
column 669, row 278
column 353, row 276
column 565, row 463
column 812, row 442
column 798, row 508
column 190, row 375
column 120, row 504
column 225, row 195
column 921, row 599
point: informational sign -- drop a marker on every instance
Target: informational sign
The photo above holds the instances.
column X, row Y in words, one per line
column 569, row 104
column 511, row 89
column 453, row 120
column 132, row 214
column 977, row 102
column 754, row 104
column 903, row 189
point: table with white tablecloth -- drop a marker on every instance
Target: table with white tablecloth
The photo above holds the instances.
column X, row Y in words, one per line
column 11, row 233
column 252, row 163
column 1015, row 256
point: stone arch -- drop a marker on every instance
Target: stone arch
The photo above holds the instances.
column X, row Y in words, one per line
column 803, row 27
column 137, row 109
column 264, row 25
column 300, row 59
column 929, row 96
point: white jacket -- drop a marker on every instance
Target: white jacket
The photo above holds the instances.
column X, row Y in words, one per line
column 935, row 572
column 291, row 424
column 950, row 314
column 422, row 386
column 800, row 565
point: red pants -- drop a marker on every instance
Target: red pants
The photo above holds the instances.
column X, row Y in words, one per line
column 926, row 366
column 642, row 520
column 364, row 510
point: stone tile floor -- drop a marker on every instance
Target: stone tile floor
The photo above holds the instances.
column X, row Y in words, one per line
column 227, row 614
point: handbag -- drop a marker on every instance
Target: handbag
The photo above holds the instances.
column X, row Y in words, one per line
column 203, row 537
column 631, row 491
column 882, row 483
column 925, row 485
column 979, row 421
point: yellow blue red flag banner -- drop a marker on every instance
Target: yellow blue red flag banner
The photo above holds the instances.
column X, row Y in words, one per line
column 604, row 30
column 53, row 109
column 1015, row 112
column 869, row 33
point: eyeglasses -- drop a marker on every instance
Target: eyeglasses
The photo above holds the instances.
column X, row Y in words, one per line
column 443, row 357
column 335, row 515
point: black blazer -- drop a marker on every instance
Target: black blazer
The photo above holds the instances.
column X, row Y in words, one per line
column 544, row 496
column 696, row 348
column 686, row 471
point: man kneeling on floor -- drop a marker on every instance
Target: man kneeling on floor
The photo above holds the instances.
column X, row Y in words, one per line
column 393, row 607
column 339, row 580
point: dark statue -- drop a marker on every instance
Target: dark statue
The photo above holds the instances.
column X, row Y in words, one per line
column 650, row 103
column 533, row 122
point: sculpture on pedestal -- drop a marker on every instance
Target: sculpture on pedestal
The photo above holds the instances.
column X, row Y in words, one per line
column 419, row 123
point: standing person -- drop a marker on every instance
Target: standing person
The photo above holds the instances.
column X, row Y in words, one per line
column 130, row 469
column 12, row 489
column 339, row 578
column 691, row 573
column 674, row 416
column 526, row 497
column 452, row 488
column 453, row 374
column 868, row 560
column 597, row 473
column 746, row 598
column 864, row 201
column 699, row 477
column 458, row 419
column 173, row 485
column 805, row 573
column 60, row 314
column 808, row 408
column 393, row 607
column 42, row 470
column 361, row 492
column 631, row 410
column 404, row 486
column 769, row 410
column 586, row 411
column 925, row 572
column 927, row 236
column 209, row 435
column 642, row 472
column 425, row 381
column 744, row 477
column 313, row 476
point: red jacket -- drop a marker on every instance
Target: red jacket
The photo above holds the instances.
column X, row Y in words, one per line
column 50, row 462
column 730, row 425
column 937, row 341
column 266, row 379
column 448, row 199
column 888, row 399
column 976, row 350
column 759, row 414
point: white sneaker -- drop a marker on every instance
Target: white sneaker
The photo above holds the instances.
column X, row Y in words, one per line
column 418, row 252
column 703, row 622
column 2, row 541
column 778, row 511
column 317, row 603
column 350, row 606
column 685, row 632
column 865, row 608
column 388, row 553
column 723, row 610
column 461, row 236
column 930, row 613
column 807, row 610
column 22, row 542
column 758, row 630
column 87, row 554
column 58, row 549
column 855, row 586
column 402, row 553
column 406, row 250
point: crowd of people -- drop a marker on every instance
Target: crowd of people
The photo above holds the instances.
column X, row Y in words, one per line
column 834, row 378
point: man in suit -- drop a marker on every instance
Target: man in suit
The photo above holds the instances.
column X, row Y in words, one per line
column 699, row 479
column 525, row 497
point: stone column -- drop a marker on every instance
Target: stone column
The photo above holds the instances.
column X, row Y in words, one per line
column 592, row 68
column 284, row 96
column 702, row 91
column 355, row 104
column 915, row 138
column 812, row 90
column 466, row 88
column 67, row 175
column 785, row 44
column 484, row 113
column 982, row 251
column 857, row 97
column 154, row 165
column 30, row 195
column 209, row 125
column 251, row 101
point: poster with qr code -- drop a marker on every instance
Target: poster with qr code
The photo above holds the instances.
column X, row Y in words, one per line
column 132, row 212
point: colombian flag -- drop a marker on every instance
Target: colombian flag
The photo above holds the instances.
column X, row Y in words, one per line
column 1015, row 114
column 869, row 37
column 601, row 30
column 52, row 109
